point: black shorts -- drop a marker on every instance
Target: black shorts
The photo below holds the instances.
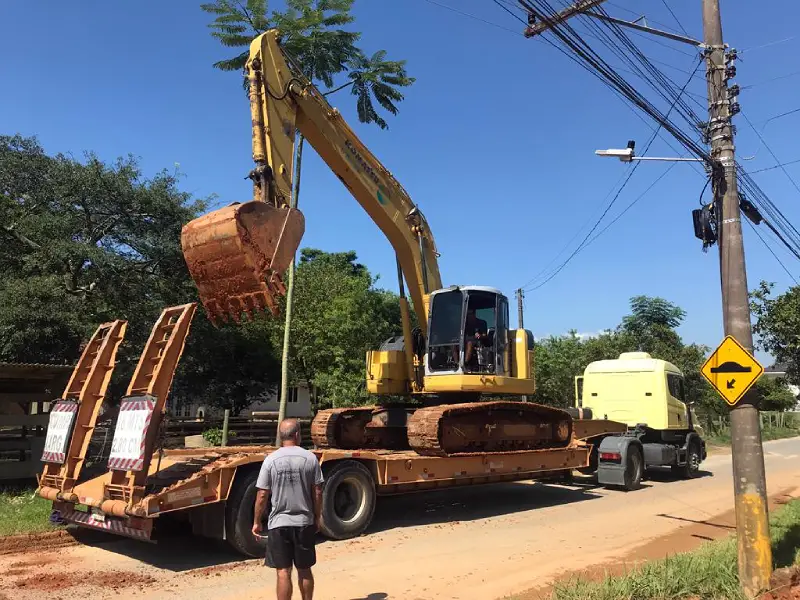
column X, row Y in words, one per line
column 291, row 545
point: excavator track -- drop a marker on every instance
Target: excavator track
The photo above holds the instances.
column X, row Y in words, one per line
column 474, row 427
column 365, row 427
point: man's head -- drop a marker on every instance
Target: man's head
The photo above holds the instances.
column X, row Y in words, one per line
column 289, row 430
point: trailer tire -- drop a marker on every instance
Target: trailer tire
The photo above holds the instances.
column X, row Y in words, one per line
column 634, row 469
column 239, row 517
column 348, row 500
column 693, row 458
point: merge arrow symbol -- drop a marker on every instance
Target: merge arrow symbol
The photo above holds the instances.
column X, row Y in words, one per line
column 730, row 383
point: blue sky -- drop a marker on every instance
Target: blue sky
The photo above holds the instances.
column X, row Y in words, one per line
column 495, row 141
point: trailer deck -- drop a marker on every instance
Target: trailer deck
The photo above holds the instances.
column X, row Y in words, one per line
column 184, row 479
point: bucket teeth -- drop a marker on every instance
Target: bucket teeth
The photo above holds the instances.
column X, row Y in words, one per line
column 237, row 255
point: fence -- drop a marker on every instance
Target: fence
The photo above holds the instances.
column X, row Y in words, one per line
column 769, row 420
column 242, row 431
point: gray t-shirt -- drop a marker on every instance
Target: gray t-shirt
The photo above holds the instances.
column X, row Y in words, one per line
column 290, row 474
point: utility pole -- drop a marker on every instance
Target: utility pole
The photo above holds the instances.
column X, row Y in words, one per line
column 749, row 478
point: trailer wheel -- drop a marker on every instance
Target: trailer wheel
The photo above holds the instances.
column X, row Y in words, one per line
column 348, row 500
column 692, row 467
column 634, row 469
column 239, row 517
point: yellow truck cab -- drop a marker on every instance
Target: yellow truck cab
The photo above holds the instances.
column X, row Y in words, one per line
column 648, row 396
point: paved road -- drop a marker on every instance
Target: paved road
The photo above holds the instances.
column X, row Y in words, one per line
column 469, row 544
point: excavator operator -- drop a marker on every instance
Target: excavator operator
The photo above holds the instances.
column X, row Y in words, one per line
column 475, row 330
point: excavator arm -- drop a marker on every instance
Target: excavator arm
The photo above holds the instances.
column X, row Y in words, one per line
column 267, row 232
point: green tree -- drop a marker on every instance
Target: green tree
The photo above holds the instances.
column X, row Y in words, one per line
column 774, row 394
column 339, row 315
column 89, row 242
column 313, row 35
column 649, row 328
column 777, row 326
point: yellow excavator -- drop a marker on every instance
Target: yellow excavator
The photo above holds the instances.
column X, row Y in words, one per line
column 464, row 347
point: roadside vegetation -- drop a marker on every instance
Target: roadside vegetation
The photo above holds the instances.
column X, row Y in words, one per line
column 22, row 511
column 708, row 572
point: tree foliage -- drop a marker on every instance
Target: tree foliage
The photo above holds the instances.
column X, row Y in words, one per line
column 649, row 328
column 339, row 314
column 89, row 242
column 313, row 34
column 777, row 326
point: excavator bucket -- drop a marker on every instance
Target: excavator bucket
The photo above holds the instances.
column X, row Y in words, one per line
column 237, row 256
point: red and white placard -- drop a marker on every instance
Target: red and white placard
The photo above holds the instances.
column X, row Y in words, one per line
column 59, row 430
column 128, row 446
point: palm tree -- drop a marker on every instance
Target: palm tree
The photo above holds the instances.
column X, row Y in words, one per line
column 313, row 36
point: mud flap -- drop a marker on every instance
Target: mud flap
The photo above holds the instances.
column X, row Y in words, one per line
column 613, row 459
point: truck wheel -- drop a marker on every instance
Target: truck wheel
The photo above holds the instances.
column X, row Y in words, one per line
column 692, row 467
column 348, row 500
column 634, row 469
column 239, row 517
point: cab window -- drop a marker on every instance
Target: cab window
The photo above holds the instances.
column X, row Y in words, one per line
column 676, row 387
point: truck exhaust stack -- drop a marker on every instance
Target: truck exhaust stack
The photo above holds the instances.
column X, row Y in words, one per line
column 237, row 256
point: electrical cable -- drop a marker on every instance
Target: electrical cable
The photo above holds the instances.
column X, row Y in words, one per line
column 471, row 16
column 584, row 243
column 777, row 161
column 768, row 44
column 567, row 35
column 631, row 205
column 791, row 162
column 686, row 33
column 771, row 251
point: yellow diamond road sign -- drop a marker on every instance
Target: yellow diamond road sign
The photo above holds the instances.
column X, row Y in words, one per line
column 732, row 370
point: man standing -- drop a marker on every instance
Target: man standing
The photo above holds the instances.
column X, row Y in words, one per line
column 292, row 478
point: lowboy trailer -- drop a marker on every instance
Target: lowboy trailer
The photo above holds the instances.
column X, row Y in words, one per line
column 214, row 489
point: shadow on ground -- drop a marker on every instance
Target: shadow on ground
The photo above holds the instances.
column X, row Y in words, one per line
column 472, row 503
column 176, row 550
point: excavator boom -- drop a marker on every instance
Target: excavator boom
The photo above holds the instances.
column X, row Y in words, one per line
column 237, row 255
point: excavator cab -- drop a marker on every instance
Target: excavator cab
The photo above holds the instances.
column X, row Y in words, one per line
column 468, row 332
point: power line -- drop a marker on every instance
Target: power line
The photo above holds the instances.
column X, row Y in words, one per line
column 763, row 141
column 780, row 77
column 768, row 44
column 686, row 33
column 642, row 16
column 585, row 242
column 791, row 162
column 471, row 16
column 631, row 205
column 771, row 251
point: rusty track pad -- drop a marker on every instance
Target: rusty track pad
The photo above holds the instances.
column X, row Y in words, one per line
column 237, row 256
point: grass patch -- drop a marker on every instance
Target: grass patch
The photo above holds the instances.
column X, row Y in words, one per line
column 21, row 511
column 722, row 437
column 709, row 572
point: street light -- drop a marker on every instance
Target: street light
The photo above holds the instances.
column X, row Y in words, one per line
column 628, row 154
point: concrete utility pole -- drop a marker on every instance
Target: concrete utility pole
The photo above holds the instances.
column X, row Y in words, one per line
column 749, row 479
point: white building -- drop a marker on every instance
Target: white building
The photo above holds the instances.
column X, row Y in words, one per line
column 778, row 371
column 298, row 404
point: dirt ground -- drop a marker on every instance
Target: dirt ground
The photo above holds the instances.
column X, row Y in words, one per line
column 470, row 544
